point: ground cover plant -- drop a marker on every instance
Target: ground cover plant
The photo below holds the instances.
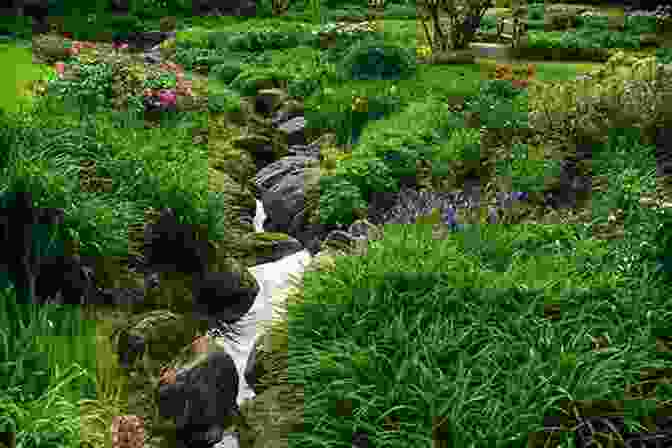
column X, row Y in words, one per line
column 481, row 362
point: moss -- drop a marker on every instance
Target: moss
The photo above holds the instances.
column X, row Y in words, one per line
column 271, row 236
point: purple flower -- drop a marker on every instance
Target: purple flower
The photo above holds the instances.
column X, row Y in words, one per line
column 449, row 217
column 519, row 195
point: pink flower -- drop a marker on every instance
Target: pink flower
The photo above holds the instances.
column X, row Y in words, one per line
column 167, row 97
column 119, row 45
column 60, row 68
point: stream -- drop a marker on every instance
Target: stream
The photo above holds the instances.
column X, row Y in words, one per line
column 271, row 277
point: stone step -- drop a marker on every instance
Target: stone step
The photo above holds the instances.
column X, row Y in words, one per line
column 491, row 51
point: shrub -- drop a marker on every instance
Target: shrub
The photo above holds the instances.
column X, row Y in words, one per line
column 246, row 81
column 258, row 41
column 191, row 57
column 226, row 72
column 302, row 87
column 500, row 88
column 488, row 23
column 372, row 60
column 664, row 55
column 344, row 44
column 126, row 22
column 338, row 199
column 218, row 40
column 226, row 101
column 92, row 88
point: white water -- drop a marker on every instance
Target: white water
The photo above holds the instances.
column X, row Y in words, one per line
column 272, row 278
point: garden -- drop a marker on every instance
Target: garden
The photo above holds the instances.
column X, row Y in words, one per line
column 478, row 337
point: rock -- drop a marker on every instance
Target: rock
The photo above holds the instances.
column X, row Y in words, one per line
column 291, row 203
column 295, row 130
column 146, row 40
column 65, row 280
column 152, row 339
column 267, row 247
column 19, row 232
column 172, row 246
column 268, row 100
column 250, row 369
column 224, row 296
column 289, row 109
column 270, row 176
column 202, row 394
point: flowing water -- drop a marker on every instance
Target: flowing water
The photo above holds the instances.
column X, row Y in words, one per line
column 272, row 277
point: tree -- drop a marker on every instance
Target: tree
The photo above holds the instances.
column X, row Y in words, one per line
column 464, row 18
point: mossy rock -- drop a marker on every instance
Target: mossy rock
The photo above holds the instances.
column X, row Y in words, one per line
column 258, row 247
column 165, row 333
column 271, row 236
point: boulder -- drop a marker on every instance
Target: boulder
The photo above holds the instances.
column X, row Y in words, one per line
column 267, row 247
column 292, row 205
column 149, row 340
column 22, row 226
column 268, row 100
column 198, row 392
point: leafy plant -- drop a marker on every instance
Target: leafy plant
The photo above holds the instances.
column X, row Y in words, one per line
column 338, row 199
column 525, row 174
column 226, row 72
column 372, row 60
column 500, row 88
column 664, row 55
column 92, row 88
column 367, row 174
column 218, row 40
column 302, row 87
column 536, row 12
column 227, row 101
column 246, row 81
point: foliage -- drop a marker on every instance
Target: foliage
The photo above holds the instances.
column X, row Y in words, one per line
column 368, row 175
column 226, row 72
column 536, row 12
column 344, row 44
column 349, row 123
column 258, row 41
column 500, row 88
column 370, row 60
column 191, row 57
column 92, row 89
column 246, row 81
column 303, row 87
column 495, row 111
column 526, row 174
column 664, row 55
column 225, row 101
column 338, row 199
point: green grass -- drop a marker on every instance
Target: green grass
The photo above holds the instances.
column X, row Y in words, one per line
column 15, row 79
column 417, row 331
